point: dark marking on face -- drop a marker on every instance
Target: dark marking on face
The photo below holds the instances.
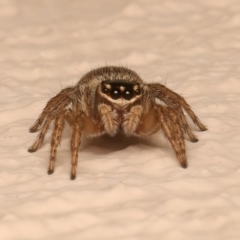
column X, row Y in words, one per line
column 120, row 89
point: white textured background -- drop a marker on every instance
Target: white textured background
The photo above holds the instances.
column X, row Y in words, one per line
column 126, row 188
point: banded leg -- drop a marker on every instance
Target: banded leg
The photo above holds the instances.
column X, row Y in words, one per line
column 56, row 139
column 41, row 135
column 186, row 127
column 171, row 127
column 174, row 100
column 60, row 98
column 75, row 143
column 69, row 117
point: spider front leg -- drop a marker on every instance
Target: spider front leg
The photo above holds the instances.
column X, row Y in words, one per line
column 175, row 101
column 169, row 123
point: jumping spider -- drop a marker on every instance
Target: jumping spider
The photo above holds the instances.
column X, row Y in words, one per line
column 109, row 100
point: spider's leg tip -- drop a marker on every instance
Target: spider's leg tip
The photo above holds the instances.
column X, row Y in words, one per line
column 184, row 165
column 73, row 177
column 33, row 129
column 194, row 140
column 203, row 128
column 31, row 150
column 50, row 171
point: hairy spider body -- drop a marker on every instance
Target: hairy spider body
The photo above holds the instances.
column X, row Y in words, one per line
column 113, row 99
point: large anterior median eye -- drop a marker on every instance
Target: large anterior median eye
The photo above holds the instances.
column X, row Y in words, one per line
column 128, row 94
column 115, row 93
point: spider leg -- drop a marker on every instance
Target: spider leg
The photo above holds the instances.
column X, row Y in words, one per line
column 41, row 135
column 169, row 121
column 186, row 127
column 51, row 114
column 75, row 142
column 69, row 117
column 56, row 139
column 175, row 101
column 50, row 106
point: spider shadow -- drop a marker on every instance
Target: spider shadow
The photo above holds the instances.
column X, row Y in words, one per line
column 106, row 144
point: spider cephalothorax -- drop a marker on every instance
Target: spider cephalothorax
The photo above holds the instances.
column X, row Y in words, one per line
column 112, row 99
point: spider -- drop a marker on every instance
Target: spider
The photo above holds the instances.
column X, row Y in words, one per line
column 113, row 99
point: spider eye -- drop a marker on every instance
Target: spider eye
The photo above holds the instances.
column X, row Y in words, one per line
column 137, row 91
column 128, row 94
column 105, row 90
column 115, row 93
